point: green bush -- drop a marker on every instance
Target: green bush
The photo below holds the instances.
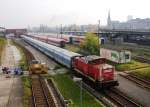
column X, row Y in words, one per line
column 91, row 44
column 26, row 81
column 23, row 61
column 2, row 41
column 131, row 66
column 72, row 48
column 71, row 91
column 2, row 44
column 143, row 72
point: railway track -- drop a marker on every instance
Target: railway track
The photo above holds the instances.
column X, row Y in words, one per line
column 111, row 97
column 139, row 81
column 61, row 102
column 141, row 59
column 119, row 98
column 40, row 93
column 99, row 96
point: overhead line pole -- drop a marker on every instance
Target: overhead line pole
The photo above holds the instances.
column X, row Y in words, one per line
column 98, row 35
column 61, row 30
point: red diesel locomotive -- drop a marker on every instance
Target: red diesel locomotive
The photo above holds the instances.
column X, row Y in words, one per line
column 95, row 68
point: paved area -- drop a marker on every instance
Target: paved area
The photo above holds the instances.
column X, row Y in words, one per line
column 5, row 90
column 134, row 91
column 15, row 99
column 10, row 88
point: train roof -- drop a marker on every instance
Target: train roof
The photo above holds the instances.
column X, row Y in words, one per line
column 93, row 58
column 49, row 38
column 55, row 39
column 74, row 36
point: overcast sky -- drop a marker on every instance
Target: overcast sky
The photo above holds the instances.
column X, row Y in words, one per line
column 21, row 13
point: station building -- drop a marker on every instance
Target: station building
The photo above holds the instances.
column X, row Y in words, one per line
column 16, row 32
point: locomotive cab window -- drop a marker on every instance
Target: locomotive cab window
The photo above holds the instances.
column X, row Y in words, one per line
column 107, row 70
column 126, row 56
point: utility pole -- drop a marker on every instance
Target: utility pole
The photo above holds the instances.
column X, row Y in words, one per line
column 98, row 31
column 57, row 31
column 61, row 30
column 81, row 93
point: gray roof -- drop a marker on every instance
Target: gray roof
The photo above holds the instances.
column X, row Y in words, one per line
column 92, row 58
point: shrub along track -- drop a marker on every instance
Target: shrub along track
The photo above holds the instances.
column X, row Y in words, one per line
column 1, row 50
column 2, row 46
column 28, row 55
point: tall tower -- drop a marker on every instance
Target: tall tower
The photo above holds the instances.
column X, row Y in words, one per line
column 109, row 20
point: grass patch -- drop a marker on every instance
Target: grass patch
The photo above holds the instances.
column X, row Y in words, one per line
column 57, row 67
column 77, row 49
column 23, row 61
column 71, row 91
column 131, row 66
column 3, row 42
column 73, row 48
column 143, row 72
column 26, row 81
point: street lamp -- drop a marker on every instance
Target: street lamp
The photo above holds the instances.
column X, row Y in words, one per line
column 76, row 79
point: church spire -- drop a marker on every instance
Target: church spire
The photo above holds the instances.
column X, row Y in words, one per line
column 109, row 20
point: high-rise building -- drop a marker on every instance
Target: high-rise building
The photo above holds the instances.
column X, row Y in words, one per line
column 129, row 24
column 129, row 17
